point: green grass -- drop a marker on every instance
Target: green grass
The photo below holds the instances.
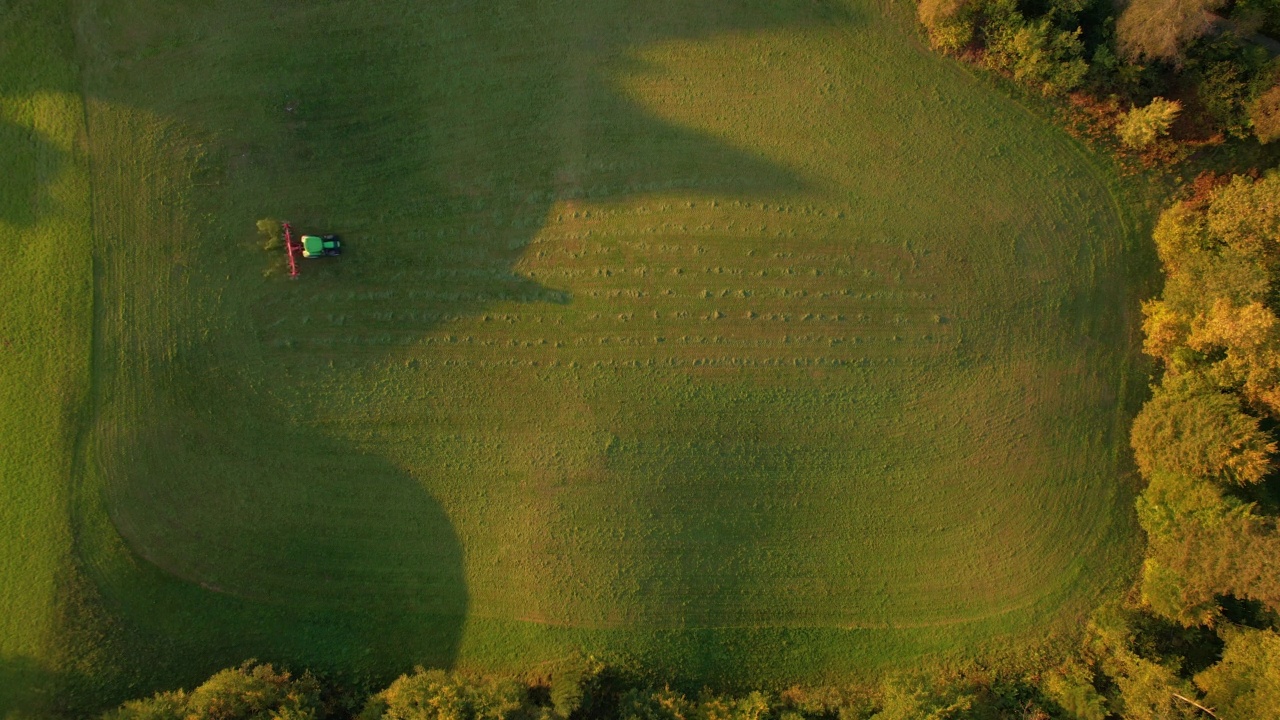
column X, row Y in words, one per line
column 45, row 340
column 749, row 339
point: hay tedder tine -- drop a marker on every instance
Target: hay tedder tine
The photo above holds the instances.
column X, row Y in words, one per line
column 289, row 248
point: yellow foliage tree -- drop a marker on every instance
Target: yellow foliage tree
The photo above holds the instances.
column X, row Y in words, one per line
column 1264, row 113
column 1245, row 684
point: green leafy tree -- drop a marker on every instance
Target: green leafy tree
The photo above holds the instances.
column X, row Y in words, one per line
column 1144, row 689
column 249, row 692
column 1160, row 29
column 1151, row 691
column 1223, row 89
column 1245, row 684
column 1142, row 126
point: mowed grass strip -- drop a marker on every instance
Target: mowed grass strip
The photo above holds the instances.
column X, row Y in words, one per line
column 45, row 339
column 748, row 338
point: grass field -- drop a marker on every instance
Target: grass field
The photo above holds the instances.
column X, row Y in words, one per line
column 45, row 339
column 750, row 339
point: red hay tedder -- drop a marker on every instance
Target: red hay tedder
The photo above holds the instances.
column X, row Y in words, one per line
column 290, row 246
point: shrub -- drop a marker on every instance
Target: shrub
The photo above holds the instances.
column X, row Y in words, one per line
column 1264, row 113
column 934, row 12
column 913, row 698
column 665, row 704
column 1140, row 127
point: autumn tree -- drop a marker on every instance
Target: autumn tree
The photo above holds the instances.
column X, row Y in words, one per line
column 1264, row 113
column 1245, row 684
column 1038, row 54
column 949, row 22
column 1144, row 688
column 1160, row 29
column 1189, row 427
column 1142, row 126
column 1203, row 543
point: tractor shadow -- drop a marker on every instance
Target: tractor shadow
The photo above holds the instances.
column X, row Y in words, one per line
column 436, row 141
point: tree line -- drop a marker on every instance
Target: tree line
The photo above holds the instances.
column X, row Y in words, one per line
column 1139, row 65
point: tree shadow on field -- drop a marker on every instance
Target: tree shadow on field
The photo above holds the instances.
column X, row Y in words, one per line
column 24, row 685
column 28, row 163
column 436, row 137
column 300, row 550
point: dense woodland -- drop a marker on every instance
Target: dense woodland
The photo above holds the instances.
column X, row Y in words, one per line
column 1159, row 77
column 1198, row 635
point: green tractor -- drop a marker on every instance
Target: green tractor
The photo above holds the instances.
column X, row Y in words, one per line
column 309, row 246
column 315, row 246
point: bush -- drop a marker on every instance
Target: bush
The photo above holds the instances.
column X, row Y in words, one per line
column 1140, row 127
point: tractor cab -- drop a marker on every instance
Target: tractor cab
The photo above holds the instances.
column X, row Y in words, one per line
column 315, row 246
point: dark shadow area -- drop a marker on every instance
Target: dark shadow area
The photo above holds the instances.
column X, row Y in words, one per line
column 329, row 560
column 26, row 687
column 27, row 165
column 1156, row 638
column 1250, row 613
